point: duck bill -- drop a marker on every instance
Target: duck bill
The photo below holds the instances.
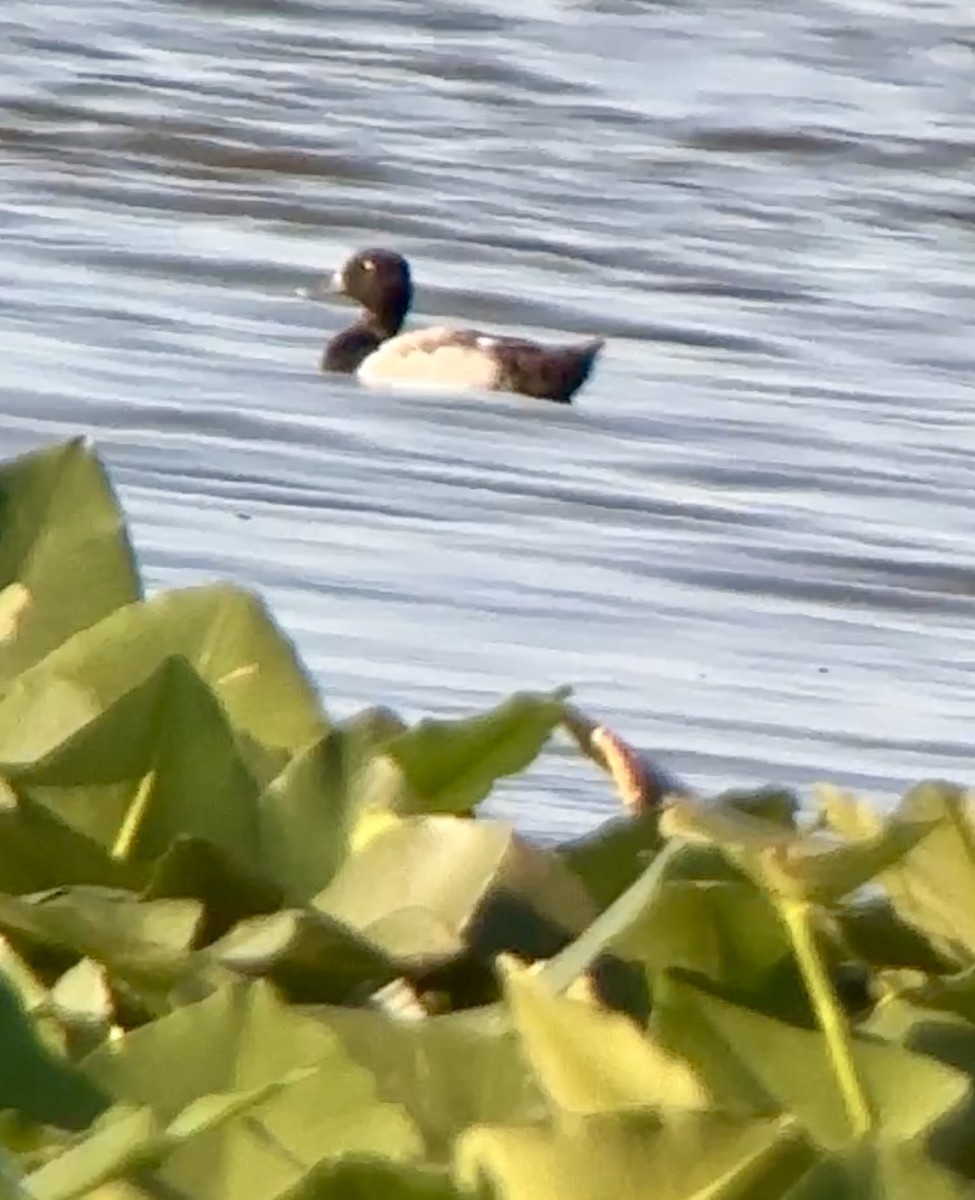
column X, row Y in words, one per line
column 327, row 288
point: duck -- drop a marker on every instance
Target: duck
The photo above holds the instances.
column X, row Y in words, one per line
column 379, row 354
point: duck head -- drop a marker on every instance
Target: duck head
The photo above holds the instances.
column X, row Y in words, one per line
column 379, row 280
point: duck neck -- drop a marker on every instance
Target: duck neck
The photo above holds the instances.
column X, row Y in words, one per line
column 386, row 320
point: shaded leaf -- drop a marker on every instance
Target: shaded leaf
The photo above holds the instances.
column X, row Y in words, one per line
column 614, row 924
column 879, row 1173
column 38, row 850
column 142, row 943
column 135, row 777
column 229, row 891
column 313, row 957
column 34, row 1082
column 374, row 1179
column 873, row 931
column 613, row 856
column 776, row 805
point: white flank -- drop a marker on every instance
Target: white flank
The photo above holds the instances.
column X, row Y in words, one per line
column 431, row 358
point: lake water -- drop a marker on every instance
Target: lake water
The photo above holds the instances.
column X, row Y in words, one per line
column 751, row 543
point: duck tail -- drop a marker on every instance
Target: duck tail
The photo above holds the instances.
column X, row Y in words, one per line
column 584, row 359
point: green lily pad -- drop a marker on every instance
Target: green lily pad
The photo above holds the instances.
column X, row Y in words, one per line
column 310, row 811
column 134, row 777
column 192, row 869
column 790, row 865
column 616, row 923
column 143, row 944
column 60, row 523
column 105, row 1154
column 238, row 1039
column 373, row 1179
column 127, row 1142
column 702, row 1157
column 39, row 850
column 591, row 1061
column 879, row 1173
column 875, row 933
column 475, row 881
column 449, row 1072
column 614, row 856
column 755, row 1064
column 451, row 766
column 932, row 887
column 223, row 632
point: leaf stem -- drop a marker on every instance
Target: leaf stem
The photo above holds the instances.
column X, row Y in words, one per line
column 134, row 816
column 832, row 1020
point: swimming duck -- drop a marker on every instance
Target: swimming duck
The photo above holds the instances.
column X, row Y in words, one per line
column 378, row 354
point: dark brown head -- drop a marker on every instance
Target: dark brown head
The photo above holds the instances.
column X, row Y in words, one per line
column 380, row 281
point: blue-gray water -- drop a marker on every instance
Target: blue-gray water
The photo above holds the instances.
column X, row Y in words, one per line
column 750, row 545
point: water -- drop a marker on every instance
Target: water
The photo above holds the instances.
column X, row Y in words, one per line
column 749, row 545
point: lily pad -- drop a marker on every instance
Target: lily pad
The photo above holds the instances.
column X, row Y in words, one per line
column 590, row 1061
column 238, row 1039
column 702, row 1157
column 449, row 1072
column 310, row 811
column 373, row 1179
column 159, row 763
column 932, row 887
column 790, row 865
column 34, row 1082
column 479, row 883
column 143, row 944
column 451, row 766
column 880, row 1173
column 757, row 1065
column 313, row 958
column 223, row 632
column 60, row 524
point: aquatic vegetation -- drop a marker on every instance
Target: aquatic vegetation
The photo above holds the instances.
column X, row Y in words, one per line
column 250, row 951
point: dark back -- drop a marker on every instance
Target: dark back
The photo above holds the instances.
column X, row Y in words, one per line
column 547, row 372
